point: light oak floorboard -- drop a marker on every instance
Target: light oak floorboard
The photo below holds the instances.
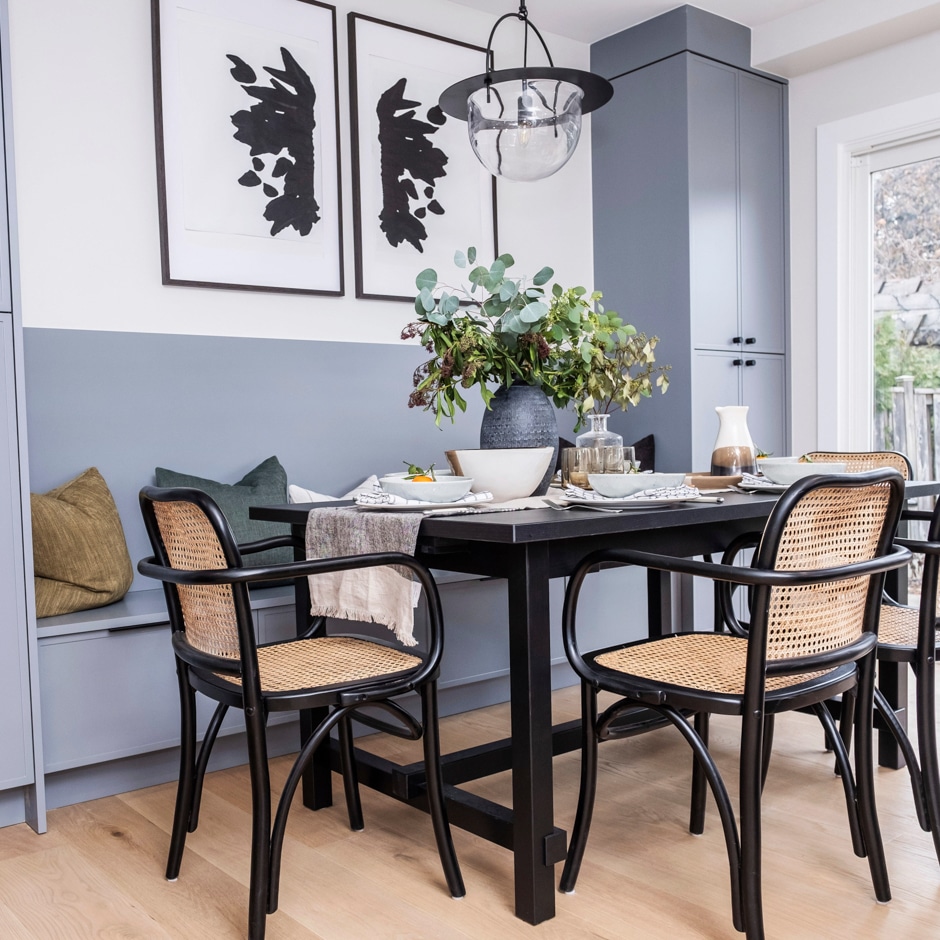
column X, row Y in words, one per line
column 99, row 871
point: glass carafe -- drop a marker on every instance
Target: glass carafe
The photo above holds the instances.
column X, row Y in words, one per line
column 606, row 445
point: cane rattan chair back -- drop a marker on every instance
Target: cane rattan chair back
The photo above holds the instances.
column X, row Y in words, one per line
column 206, row 583
column 859, row 461
column 816, row 577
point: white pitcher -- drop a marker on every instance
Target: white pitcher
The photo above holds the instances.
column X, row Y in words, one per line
column 734, row 451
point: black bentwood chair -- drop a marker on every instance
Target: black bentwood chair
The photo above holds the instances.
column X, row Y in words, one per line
column 206, row 584
column 899, row 641
column 816, row 579
column 909, row 635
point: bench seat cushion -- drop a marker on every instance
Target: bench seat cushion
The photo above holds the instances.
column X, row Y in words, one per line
column 79, row 552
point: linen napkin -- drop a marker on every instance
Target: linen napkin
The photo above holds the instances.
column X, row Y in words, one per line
column 662, row 492
column 378, row 497
column 751, row 482
column 385, row 594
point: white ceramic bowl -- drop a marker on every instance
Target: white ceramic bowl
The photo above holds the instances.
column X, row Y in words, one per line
column 446, row 489
column 506, row 472
column 786, row 470
column 621, row 485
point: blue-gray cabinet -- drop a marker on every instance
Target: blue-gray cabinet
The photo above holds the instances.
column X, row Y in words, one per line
column 690, row 225
column 21, row 783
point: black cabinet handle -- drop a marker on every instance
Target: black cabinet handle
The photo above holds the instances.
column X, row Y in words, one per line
column 737, row 362
column 750, row 362
column 737, row 339
column 751, row 340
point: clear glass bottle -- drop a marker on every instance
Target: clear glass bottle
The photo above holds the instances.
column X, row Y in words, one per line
column 606, row 445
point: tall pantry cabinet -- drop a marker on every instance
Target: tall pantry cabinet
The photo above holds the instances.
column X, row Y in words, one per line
column 690, row 225
column 21, row 783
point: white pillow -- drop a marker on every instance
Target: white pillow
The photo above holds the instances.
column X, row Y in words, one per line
column 297, row 494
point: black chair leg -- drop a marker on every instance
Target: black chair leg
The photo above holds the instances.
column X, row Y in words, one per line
column 752, row 754
column 843, row 770
column 260, row 866
column 767, row 747
column 185, row 787
column 350, row 775
column 865, row 783
column 699, row 783
column 582, row 820
column 435, row 784
column 927, row 740
column 918, row 784
column 212, row 732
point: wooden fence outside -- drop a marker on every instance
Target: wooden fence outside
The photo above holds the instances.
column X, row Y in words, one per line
column 910, row 427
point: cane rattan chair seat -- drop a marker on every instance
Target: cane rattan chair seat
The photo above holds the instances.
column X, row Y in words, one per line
column 816, row 582
column 301, row 665
column 899, row 627
column 330, row 677
column 705, row 662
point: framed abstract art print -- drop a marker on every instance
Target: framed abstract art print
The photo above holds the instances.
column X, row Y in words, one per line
column 419, row 192
column 247, row 131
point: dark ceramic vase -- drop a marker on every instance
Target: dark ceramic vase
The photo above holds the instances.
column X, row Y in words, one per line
column 521, row 416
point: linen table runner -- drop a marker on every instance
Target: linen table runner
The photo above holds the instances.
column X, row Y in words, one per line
column 386, row 594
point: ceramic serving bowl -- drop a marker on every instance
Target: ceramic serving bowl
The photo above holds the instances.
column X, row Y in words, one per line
column 445, row 489
column 786, row 470
column 506, row 472
column 621, row 485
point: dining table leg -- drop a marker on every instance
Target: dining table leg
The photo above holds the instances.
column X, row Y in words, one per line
column 317, row 783
column 537, row 845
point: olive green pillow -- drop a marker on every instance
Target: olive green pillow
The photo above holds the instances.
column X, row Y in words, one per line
column 79, row 553
column 265, row 485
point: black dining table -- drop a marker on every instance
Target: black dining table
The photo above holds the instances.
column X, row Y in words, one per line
column 528, row 548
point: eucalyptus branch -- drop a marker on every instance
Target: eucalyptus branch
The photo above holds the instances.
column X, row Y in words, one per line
column 502, row 330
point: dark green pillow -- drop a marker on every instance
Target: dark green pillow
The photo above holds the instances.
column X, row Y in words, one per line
column 265, row 485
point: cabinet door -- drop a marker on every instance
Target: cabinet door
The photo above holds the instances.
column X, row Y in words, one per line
column 717, row 381
column 762, row 211
column 764, row 391
column 713, row 203
column 15, row 729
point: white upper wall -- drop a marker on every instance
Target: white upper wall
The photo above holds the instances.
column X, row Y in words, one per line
column 87, row 196
column 899, row 73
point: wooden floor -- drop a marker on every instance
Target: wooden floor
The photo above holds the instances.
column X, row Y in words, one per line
column 98, row 872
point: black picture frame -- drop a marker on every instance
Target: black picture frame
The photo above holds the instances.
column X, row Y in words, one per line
column 246, row 110
column 403, row 222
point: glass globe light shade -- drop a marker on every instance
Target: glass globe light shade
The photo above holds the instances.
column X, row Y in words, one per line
column 525, row 129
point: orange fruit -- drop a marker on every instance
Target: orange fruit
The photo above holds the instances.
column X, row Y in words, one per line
column 421, row 478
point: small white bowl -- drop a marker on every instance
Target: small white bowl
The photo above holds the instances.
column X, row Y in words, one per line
column 506, row 472
column 621, row 485
column 786, row 470
column 447, row 489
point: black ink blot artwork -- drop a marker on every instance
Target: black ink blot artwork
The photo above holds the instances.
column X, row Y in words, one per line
column 282, row 120
column 407, row 156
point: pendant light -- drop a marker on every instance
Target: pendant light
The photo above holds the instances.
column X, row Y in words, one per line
column 524, row 123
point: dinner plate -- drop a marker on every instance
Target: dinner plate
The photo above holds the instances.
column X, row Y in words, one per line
column 422, row 506
column 625, row 503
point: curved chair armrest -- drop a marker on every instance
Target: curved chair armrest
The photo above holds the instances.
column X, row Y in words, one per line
column 920, row 546
column 286, row 570
column 299, row 569
column 897, row 556
column 275, row 541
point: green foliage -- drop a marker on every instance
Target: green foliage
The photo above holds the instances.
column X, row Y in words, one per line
column 503, row 330
column 894, row 356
